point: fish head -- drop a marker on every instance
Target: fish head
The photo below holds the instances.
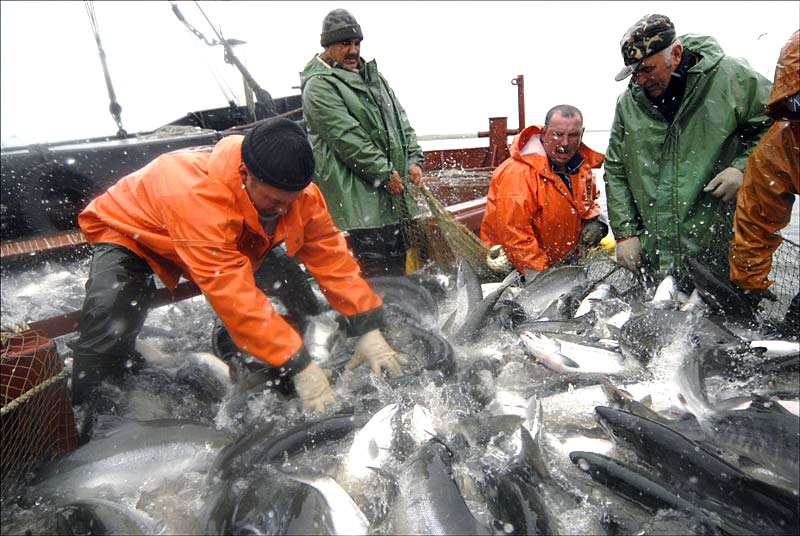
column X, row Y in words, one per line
column 539, row 344
column 586, row 461
column 620, row 426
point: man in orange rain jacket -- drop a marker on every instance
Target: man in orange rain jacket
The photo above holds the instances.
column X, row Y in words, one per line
column 542, row 201
column 771, row 182
column 211, row 214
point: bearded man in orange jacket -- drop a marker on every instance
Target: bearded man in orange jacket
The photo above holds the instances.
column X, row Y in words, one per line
column 211, row 214
column 542, row 202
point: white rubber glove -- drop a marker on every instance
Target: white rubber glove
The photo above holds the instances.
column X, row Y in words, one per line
column 725, row 184
column 313, row 388
column 498, row 261
column 372, row 348
column 629, row 253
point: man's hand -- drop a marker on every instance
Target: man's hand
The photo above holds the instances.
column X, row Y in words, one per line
column 372, row 348
column 725, row 184
column 395, row 184
column 592, row 233
column 313, row 388
column 629, row 253
column 415, row 175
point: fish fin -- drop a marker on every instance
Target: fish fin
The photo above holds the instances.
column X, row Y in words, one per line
column 569, row 362
column 391, row 479
column 647, row 401
column 447, row 327
column 534, row 414
column 763, row 403
column 108, row 425
column 611, row 392
column 532, row 453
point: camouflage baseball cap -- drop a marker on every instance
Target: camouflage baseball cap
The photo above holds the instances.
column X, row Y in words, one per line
column 339, row 25
column 651, row 34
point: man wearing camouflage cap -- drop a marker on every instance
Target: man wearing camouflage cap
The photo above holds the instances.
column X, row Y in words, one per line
column 364, row 147
column 681, row 135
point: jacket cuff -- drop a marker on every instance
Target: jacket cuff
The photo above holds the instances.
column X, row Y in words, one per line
column 297, row 362
column 624, row 238
column 362, row 323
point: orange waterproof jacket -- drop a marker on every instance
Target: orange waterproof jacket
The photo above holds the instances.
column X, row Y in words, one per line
column 529, row 209
column 771, row 181
column 188, row 214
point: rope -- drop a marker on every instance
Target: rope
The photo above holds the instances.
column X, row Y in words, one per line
column 27, row 395
column 262, row 95
column 250, row 125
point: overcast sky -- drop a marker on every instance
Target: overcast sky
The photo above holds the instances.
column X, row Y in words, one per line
column 450, row 63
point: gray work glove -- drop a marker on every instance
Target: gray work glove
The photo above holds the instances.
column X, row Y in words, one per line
column 372, row 348
column 629, row 253
column 313, row 388
column 497, row 260
column 592, row 233
column 725, row 184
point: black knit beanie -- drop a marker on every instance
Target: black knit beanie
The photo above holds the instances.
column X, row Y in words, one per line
column 339, row 25
column 277, row 152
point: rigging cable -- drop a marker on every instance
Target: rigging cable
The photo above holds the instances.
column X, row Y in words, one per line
column 262, row 96
column 223, row 85
column 113, row 107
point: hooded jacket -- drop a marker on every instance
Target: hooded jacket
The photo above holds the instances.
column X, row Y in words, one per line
column 655, row 171
column 359, row 133
column 530, row 211
column 771, row 181
column 188, row 214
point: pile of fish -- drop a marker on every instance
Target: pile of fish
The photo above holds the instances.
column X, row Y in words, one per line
column 580, row 400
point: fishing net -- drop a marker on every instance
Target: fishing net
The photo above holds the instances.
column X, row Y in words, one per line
column 36, row 417
column 435, row 236
column 715, row 243
column 601, row 267
column 785, row 273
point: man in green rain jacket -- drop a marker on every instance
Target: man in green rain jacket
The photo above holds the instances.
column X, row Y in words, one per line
column 364, row 147
column 681, row 135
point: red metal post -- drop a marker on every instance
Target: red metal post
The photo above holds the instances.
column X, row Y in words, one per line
column 498, row 141
column 519, row 81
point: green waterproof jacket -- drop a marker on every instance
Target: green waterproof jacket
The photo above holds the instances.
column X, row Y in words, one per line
column 360, row 134
column 655, row 172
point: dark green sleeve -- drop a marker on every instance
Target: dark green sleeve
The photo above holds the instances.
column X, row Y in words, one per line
column 326, row 113
column 622, row 213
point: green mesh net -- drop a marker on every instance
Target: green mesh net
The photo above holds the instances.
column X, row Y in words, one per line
column 434, row 235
